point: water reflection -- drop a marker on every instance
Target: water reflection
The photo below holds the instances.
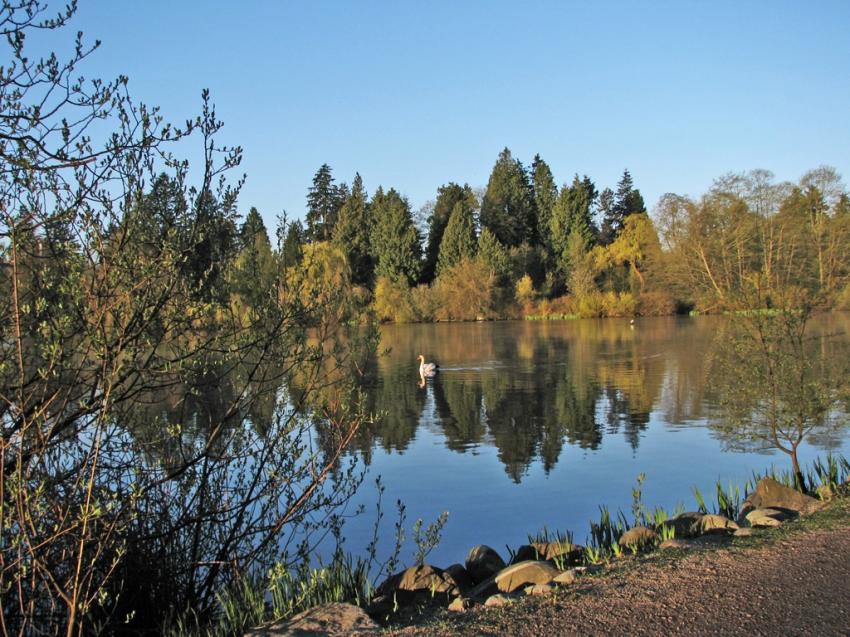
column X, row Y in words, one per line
column 528, row 389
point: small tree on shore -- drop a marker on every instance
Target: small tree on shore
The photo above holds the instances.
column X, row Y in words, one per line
column 775, row 385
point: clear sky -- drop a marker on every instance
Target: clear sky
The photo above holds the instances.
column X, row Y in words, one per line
column 415, row 94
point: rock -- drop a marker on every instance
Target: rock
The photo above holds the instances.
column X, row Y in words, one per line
column 460, row 576
column 413, row 585
column 499, row 600
column 743, row 532
column 639, row 537
column 330, row 619
column 765, row 518
column 589, row 570
column 460, row 604
column 567, row 577
column 674, row 543
column 515, row 577
column 681, row 524
column 483, row 562
column 566, row 553
column 770, row 494
column 518, row 575
column 539, row 589
column 710, row 524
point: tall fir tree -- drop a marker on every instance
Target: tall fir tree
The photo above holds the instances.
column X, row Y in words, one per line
column 352, row 233
column 545, row 194
column 324, row 200
column 508, row 209
column 459, row 240
column 396, row 245
column 448, row 197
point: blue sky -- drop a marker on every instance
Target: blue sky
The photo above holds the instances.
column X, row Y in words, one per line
column 415, row 94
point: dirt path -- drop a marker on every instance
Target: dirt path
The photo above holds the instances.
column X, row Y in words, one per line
column 798, row 584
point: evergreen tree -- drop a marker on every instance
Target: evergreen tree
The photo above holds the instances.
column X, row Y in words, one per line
column 253, row 273
column 545, row 194
column 323, row 203
column 493, row 254
column 508, row 206
column 448, row 197
column 352, row 233
column 627, row 201
column 396, row 245
column 212, row 240
column 606, row 214
column 459, row 238
column 292, row 249
column 572, row 214
column 251, row 228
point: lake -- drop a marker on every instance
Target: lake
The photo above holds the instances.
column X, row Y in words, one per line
column 533, row 424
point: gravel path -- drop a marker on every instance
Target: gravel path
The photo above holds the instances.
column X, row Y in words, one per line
column 798, row 585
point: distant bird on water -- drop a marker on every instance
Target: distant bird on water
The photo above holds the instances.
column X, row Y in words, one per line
column 427, row 369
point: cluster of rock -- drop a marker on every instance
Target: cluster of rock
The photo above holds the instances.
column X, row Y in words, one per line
column 540, row 568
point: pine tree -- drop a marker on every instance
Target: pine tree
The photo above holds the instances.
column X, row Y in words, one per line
column 352, row 233
column 396, row 245
column 545, row 195
column 323, row 203
column 447, row 197
column 458, row 240
column 508, row 206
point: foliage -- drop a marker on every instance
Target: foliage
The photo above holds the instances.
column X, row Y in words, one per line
column 467, row 291
column 352, row 233
column 448, row 197
column 118, row 296
column 392, row 302
column 775, row 386
column 507, row 209
column 545, row 194
column 459, row 241
column 324, row 200
column 396, row 247
column 525, row 293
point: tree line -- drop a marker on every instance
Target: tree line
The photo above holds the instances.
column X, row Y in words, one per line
column 523, row 246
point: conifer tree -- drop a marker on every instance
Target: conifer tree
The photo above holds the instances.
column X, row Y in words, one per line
column 545, row 194
column 508, row 207
column 396, row 245
column 447, row 197
column 572, row 214
column 352, row 233
column 323, row 202
column 253, row 271
column 459, row 238
column 493, row 254
column 627, row 201
column 292, row 249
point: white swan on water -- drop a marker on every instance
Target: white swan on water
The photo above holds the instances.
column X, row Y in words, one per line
column 426, row 369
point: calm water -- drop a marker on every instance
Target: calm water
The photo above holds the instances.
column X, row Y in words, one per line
column 532, row 424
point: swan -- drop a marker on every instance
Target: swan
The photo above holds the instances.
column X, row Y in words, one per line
column 427, row 369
